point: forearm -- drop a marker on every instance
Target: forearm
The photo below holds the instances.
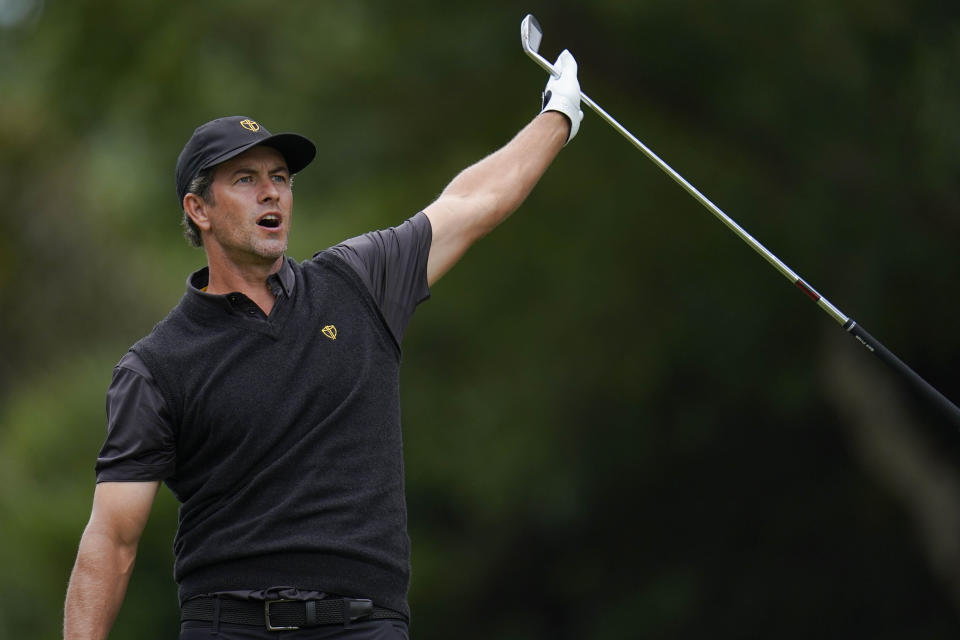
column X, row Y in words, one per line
column 484, row 194
column 97, row 586
column 502, row 181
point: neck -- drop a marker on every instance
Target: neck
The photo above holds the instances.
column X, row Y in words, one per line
column 249, row 279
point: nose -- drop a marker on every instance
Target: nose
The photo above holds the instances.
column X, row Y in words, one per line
column 269, row 192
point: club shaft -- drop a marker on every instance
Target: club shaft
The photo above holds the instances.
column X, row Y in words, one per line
column 731, row 224
column 925, row 389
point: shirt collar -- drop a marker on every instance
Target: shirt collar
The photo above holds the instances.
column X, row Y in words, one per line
column 282, row 281
column 285, row 277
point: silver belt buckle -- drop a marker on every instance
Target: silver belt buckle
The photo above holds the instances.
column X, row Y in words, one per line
column 266, row 615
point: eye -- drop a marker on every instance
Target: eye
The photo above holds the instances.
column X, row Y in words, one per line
column 279, row 179
column 245, row 179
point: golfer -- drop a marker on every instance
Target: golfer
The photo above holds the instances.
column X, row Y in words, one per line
column 268, row 399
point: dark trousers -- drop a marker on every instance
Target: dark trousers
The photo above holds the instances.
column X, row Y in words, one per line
column 371, row 630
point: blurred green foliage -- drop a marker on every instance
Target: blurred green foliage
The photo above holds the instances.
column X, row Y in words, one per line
column 615, row 420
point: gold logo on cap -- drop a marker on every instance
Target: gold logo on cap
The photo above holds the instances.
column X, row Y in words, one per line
column 250, row 125
column 330, row 331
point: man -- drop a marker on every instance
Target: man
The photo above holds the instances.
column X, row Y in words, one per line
column 268, row 399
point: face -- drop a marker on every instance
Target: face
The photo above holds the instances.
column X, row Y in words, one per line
column 247, row 219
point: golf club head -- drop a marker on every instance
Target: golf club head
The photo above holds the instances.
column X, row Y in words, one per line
column 530, row 34
column 530, row 37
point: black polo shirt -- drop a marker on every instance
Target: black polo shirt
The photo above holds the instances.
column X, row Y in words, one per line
column 141, row 438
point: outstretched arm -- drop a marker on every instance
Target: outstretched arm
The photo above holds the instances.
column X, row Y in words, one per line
column 105, row 559
column 485, row 194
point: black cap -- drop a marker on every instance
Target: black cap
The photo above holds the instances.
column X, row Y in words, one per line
column 221, row 139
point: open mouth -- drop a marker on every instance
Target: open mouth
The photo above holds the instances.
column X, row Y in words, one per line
column 269, row 221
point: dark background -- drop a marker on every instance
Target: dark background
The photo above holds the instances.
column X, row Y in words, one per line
column 620, row 422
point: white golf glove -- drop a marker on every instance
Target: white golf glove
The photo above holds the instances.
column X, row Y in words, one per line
column 563, row 94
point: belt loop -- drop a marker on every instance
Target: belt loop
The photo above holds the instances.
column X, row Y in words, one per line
column 216, row 616
column 311, row 613
column 346, row 613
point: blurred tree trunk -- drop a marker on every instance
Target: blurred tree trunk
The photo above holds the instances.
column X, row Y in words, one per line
column 888, row 437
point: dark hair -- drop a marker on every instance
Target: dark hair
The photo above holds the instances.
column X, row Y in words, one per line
column 202, row 186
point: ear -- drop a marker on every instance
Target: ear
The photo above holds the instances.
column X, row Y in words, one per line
column 196, row 207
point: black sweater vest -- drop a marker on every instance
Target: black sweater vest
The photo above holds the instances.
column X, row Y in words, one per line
column 289, row 453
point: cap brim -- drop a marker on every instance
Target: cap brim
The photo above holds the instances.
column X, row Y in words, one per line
column 297, row 150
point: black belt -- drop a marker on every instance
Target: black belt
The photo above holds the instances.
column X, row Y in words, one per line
column 284, row 615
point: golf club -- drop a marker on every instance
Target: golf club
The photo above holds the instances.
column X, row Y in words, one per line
column 530, row 37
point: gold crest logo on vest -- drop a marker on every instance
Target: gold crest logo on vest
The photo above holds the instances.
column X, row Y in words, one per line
column 250, row 125
column 330, row 331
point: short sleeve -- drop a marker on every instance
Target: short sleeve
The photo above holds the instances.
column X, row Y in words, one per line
column 141, row 441
column 393, row 264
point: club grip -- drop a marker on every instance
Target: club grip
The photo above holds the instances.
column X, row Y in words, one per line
column 948, row 408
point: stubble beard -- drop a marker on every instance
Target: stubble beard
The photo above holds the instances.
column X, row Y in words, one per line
column 269, row 249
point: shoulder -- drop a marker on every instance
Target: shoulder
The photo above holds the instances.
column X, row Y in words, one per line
column 132, row 378
column 132, row 362
column 414, row 232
